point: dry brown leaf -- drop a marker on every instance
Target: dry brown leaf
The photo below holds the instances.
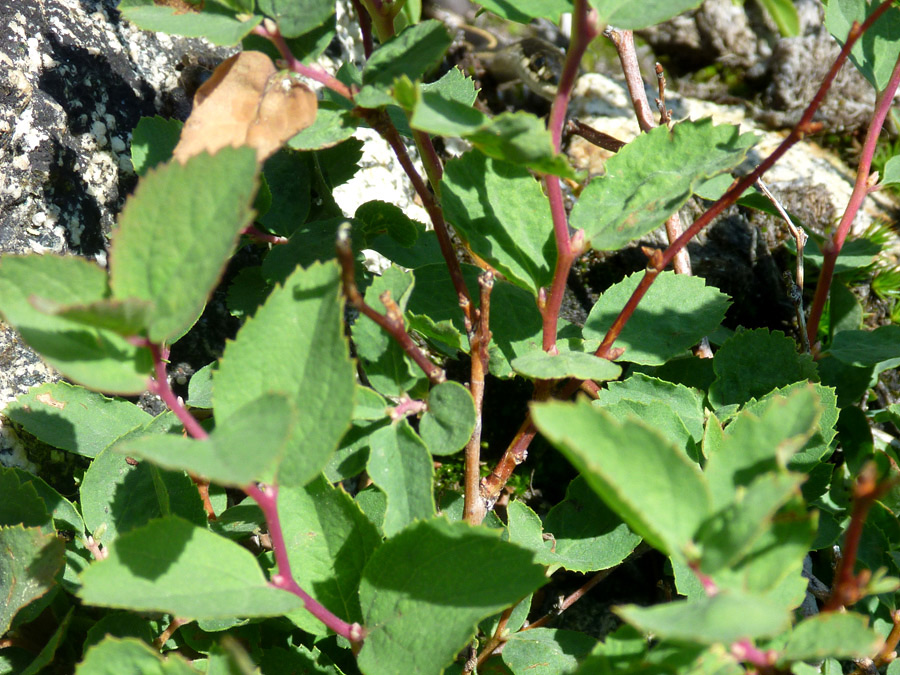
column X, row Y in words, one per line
column 247, row 101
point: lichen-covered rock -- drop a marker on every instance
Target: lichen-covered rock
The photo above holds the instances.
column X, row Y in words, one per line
column 74, row 81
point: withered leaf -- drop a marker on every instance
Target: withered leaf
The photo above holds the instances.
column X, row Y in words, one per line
column 247, row 101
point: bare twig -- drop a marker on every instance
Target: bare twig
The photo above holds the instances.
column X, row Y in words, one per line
column 163, row 637
column 517, row 452
column 474, row 506
column 591, row 135
column 392, row 321
column 665, row 115
column 624, row 42
column 499, row 637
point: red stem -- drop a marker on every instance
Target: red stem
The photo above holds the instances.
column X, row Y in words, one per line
column 283, row 579
column 160, row 386
column 804, row 126
column 860, row 190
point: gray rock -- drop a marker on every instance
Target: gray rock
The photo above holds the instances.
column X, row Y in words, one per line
column 74, row 81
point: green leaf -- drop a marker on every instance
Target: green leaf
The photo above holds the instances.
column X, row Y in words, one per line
column 653, row 176
column 153, row 141
column 295, row 344
column 762, row 440
column 400, row 465
column 74, row 419
column 845, row 636
column 514, row 235
column 242, row 449
column 99, row 359
column 63, row 512
column 722, row 618
column 296, row 17
column 866, row 348
column 540, row 365
column 288, row 176
column 676, row 312
column 328, row 540
column 21, row 504
column 216, row 24
column 546, row 651
column 891, row 171
column 855, row 253
column 426, row 588
column 630, row 16
column 333, row 125
column 170, row 565
column 379, row 217
column 753, row 363
column 46, row 656
column 730, row 533
column 200, row 387
column 176, row 232
column 29, row 563
column 454, row 85
column 117, row 496
column 685, row 402
column 526, row 10
column 784, row 14
column 125, row 317
column 845, row 311
column 115, row 656
column 654, row 487
column 876, row 52
column 585, row 543
column 411, row 53
column 450, row 419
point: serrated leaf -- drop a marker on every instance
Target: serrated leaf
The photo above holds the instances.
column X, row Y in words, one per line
column 119, row 496
column 514, row 235
column 658, row 416
column 411, row 53
column 21, row 504
column 296, row 17
column 153, row 141
column 540, row 365
column 685, row 402
column 653, row 487
column 295, row 344
column 652, row 177
column 242, row 449
column 63, row 512
column 420, row 598
column 731, row 532
column 454, row 85
column 546, row 651
column 760, row 441
column 866, row 348
column 29, row 562
column 587, row 535
column 722, row 618
column 753, row 363
column 171, row 565
column 450, row 419
column 74, row 419
column 217, row 24
column 328, row 540
column 96, row 358
column 676, row 312
column 877, row 50
column 845, row 636
column 399, row 464
column 176, row 232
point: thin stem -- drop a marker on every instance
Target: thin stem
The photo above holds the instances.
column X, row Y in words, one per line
column 267, row 498
column 624, row 43
column 258, row 235
column 500, row 635
column 269, row 30
column 803, row 127
column 888, row 651
column 860, row 189
column 379, row 121
column 846, row 588
column 515, row 454
column 392, row 321
column 591, row 135
column 163, row 637
column 160, row 386
column 365, row 27
column 434, row 169
column 584, row 30
column 382, row 18
column 473, row 505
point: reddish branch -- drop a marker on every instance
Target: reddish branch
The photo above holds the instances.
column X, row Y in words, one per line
column 861, row 188
column 803, row 127
column 392, row 321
